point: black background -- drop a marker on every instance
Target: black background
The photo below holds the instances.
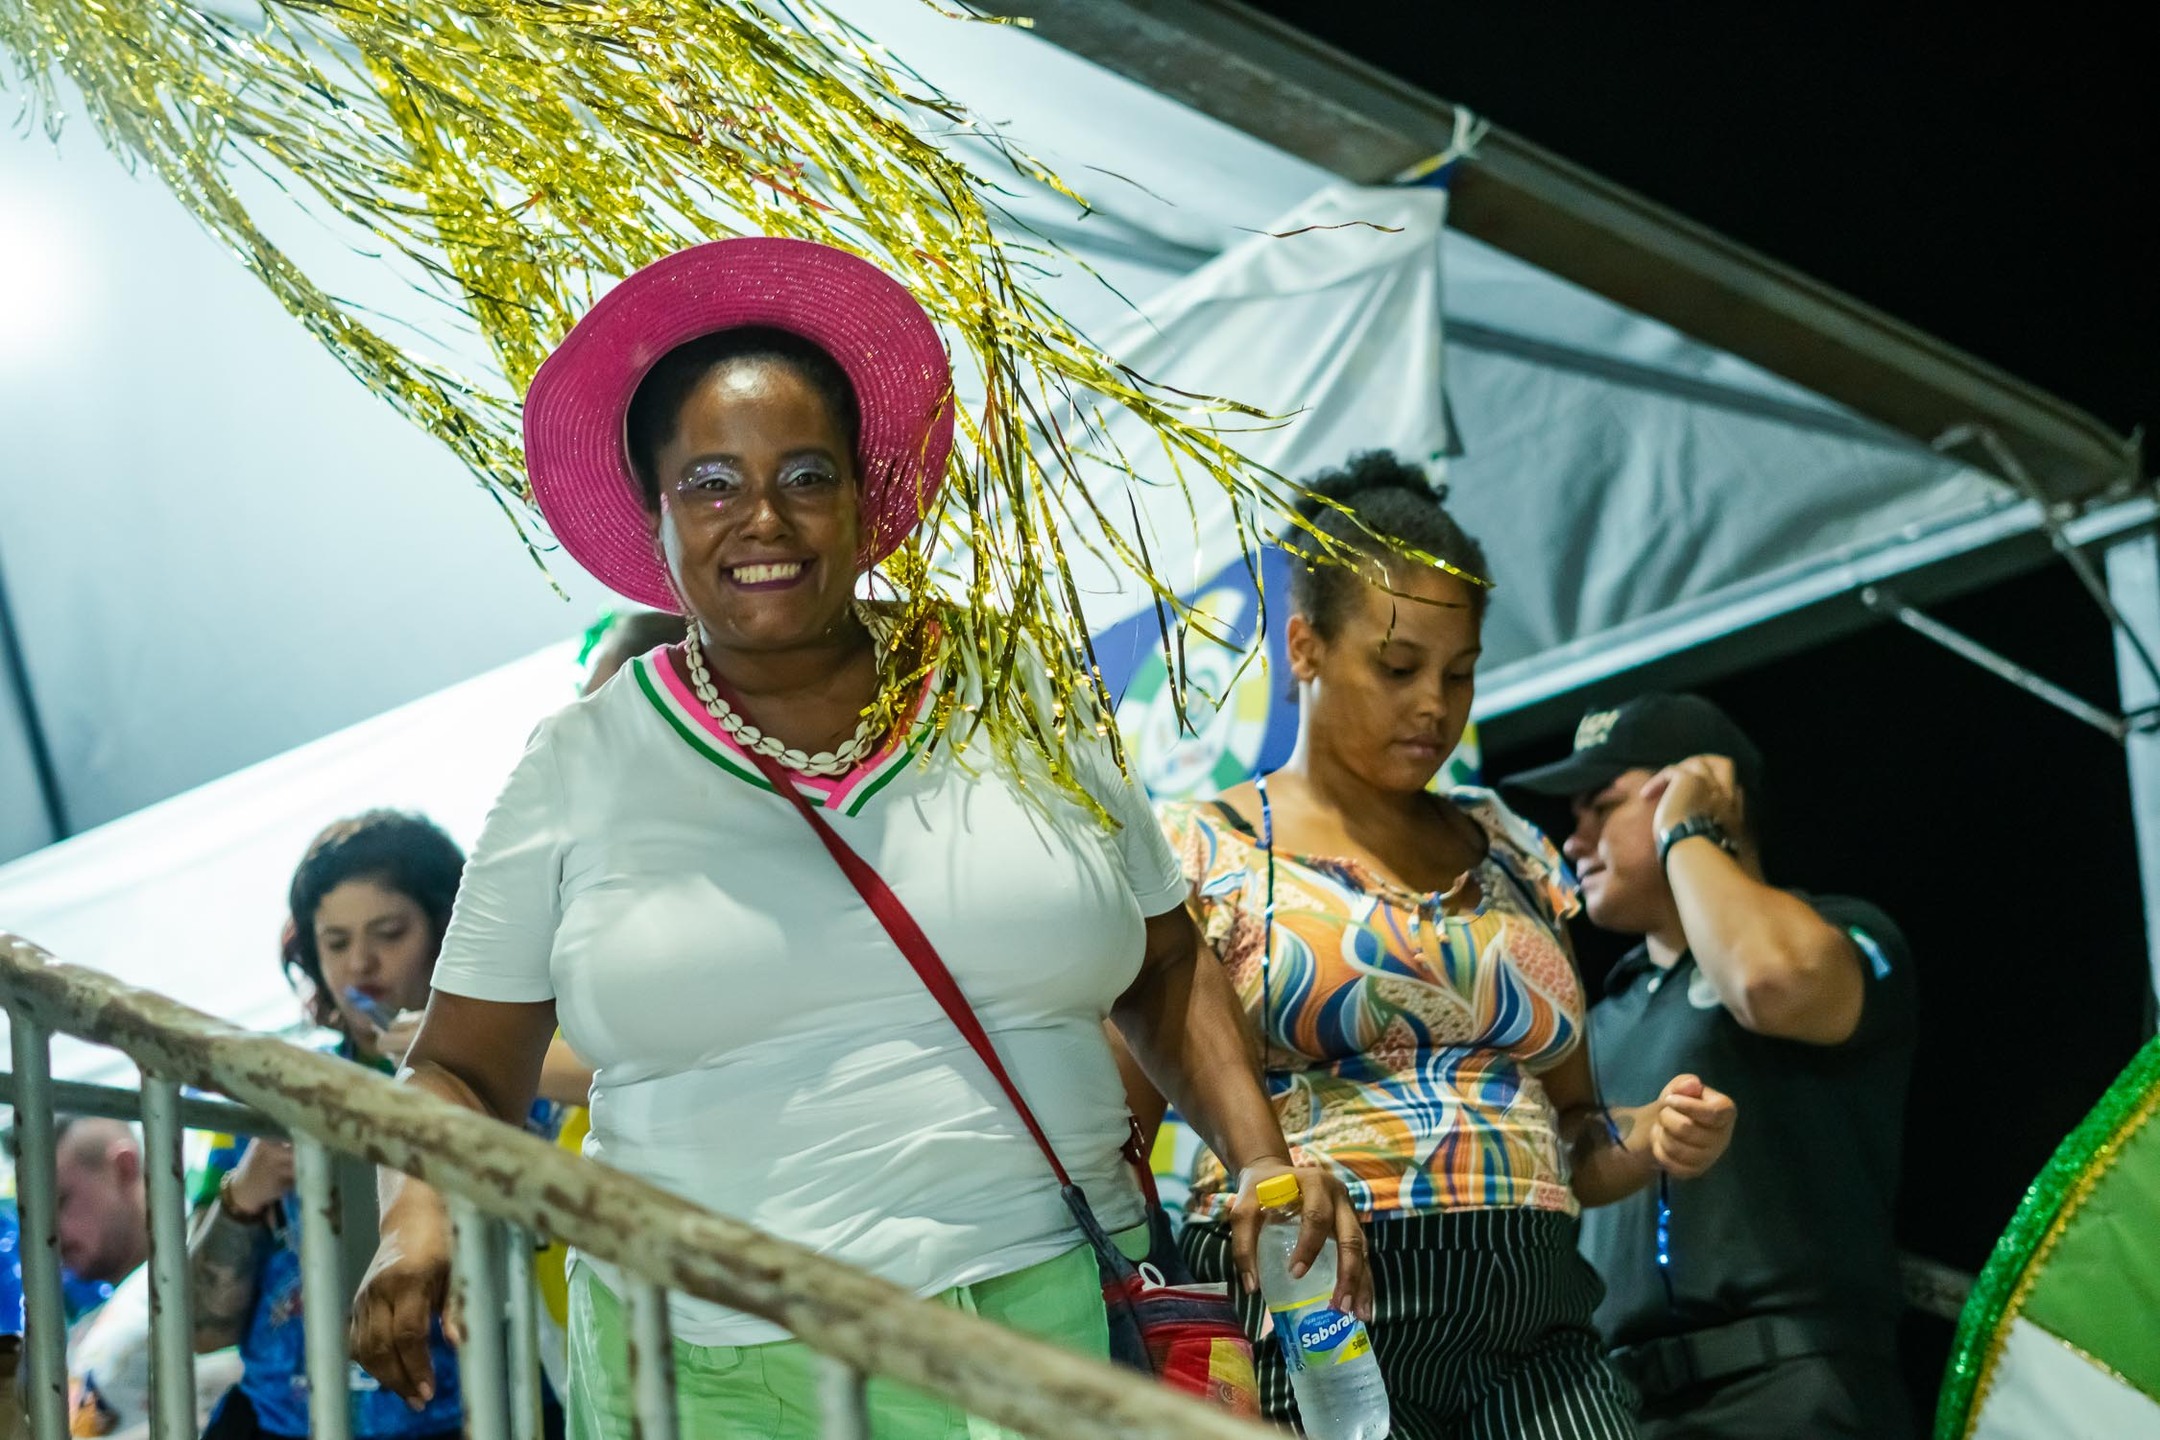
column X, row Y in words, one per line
column 1987, row 177
column 1984, row 175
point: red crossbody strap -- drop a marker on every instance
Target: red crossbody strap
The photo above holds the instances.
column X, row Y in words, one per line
column 909, row 937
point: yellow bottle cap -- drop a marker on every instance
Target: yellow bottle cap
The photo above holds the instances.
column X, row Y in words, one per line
column 1277, row 1191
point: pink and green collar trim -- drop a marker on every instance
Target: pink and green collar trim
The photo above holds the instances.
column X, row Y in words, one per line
column 847, row 794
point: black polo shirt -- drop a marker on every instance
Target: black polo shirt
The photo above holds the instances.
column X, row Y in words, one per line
column 1795, row 1218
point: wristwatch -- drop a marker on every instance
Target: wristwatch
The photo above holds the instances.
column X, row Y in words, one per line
column 1688, row 829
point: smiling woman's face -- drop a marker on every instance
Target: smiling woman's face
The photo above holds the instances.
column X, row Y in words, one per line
column 758, row 514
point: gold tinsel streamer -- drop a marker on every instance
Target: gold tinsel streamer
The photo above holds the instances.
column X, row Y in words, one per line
column 519, row 155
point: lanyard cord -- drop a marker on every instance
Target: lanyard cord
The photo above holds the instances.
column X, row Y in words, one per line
column 1267, row 926
column 1661, row 1254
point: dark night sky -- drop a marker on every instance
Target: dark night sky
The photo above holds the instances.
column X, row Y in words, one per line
column 1985, row 179
column 1986, row 176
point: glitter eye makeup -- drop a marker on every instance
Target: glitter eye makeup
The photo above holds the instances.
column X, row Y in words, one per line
column 710, row 476
column 708, row 484
column 809, row 472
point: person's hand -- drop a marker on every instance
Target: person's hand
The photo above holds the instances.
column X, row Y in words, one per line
column 1700, row 785
column 405, row 1288
column 1694, row 1125
column 1327, row 1216
column 263, row 1177
column 392, row 1039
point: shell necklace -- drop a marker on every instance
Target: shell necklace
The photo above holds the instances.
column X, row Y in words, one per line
column 824, row 763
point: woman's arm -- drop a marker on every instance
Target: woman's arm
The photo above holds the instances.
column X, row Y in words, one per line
column 227, row 1249
column 1142, row 1100
column 1612, row 1153
column 482, row 1055
column 564, row 1078
column 1182, row 1023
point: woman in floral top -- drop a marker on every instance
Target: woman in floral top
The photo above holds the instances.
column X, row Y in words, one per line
column 1419, row 1008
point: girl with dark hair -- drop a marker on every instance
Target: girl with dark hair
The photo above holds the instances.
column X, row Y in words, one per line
column 369, row 904
column 1404, row 956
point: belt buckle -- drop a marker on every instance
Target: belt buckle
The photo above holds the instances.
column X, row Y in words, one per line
column 1659, row 1367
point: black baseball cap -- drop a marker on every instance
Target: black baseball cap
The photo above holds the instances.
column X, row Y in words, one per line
column 1647, row 733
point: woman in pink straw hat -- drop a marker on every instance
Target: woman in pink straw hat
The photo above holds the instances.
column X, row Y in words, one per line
column 738, row 433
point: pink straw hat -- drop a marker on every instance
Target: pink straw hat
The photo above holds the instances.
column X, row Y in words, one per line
column 576, row 451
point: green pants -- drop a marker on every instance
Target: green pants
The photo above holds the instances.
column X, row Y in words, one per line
column 736, row 1392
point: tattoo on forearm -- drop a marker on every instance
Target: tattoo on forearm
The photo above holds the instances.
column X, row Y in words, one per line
column 1597, row 1128
column 224, row 1258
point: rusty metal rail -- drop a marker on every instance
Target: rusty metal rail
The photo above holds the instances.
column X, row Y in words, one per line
column 495, row 1174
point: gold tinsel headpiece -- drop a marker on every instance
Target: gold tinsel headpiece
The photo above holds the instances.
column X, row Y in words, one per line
column 516, row 156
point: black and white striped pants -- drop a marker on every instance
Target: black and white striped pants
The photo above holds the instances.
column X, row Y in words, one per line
column 1481, row 1323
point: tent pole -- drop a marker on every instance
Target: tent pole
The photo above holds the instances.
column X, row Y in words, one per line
column 2133, row 577
column 18, row 672
column 1885, row 602
column 2055, row 518
column 1698, row 641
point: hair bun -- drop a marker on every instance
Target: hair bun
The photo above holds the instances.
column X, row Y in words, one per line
column 1364, row 473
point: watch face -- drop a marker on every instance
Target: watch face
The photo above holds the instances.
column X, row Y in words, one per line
column 1701, row 825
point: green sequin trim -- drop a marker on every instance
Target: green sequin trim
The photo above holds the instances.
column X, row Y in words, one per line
column 1985, row 1320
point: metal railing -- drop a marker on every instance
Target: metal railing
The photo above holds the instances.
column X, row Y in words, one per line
column 499, row 1181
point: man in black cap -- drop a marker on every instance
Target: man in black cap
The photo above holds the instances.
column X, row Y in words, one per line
column 1763, row 1298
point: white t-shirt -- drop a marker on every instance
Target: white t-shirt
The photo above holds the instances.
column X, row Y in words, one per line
column 760, row 1045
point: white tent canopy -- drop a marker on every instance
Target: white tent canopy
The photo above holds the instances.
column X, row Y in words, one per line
column 187, row 897
column 218, row 547
column 1611, row 467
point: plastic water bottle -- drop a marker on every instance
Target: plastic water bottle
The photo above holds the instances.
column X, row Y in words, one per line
column 1333, row 1371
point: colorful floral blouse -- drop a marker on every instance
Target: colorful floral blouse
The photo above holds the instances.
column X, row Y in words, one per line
column 1404, row 1032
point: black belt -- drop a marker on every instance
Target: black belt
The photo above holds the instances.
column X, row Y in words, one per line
column 1679, row 1362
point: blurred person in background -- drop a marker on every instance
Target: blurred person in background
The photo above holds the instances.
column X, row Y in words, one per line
column 100, row 1199
column 1774, row 1310
column 102, row 1224
column 620, row 636
column 368, row 905
column 11, row 1322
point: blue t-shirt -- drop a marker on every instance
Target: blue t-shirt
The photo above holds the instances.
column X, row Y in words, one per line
column 273, row 1348
column 273, row 1354
column 11, row 1296
column 77, row 1295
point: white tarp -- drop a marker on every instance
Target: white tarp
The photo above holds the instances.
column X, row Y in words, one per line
column 1611, row 467
column 187, row 897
